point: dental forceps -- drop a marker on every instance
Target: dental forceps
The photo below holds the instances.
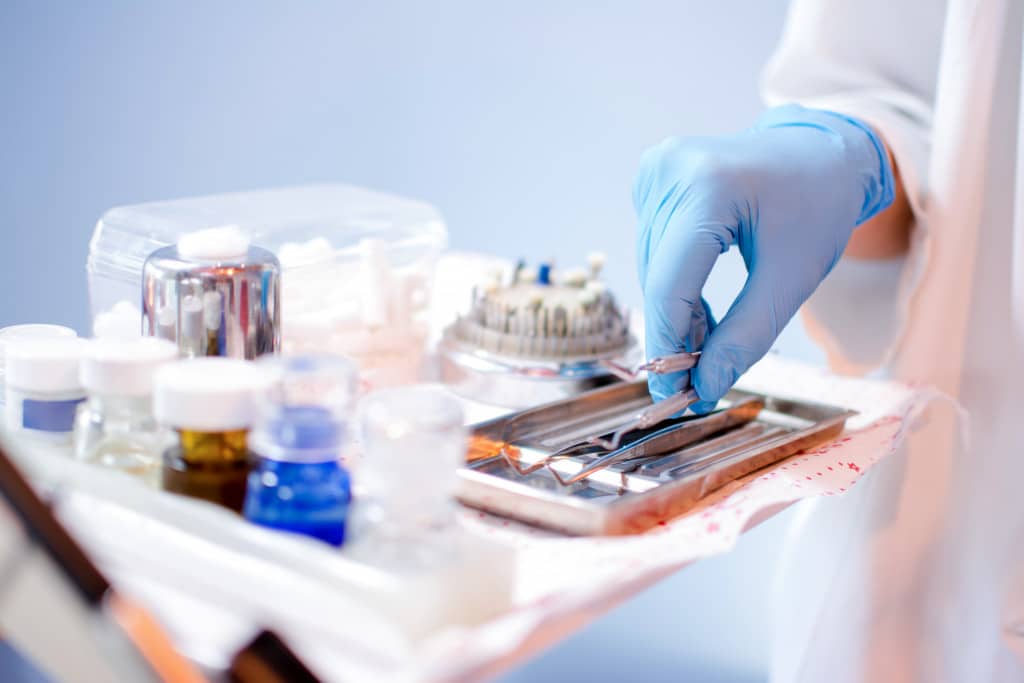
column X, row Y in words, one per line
column 657, row 412
column 675, row 433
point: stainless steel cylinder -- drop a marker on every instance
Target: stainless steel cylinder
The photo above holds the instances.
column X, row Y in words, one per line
column 213, row 307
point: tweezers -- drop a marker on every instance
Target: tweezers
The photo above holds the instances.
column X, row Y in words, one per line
column 662, row 365
column 662, row 410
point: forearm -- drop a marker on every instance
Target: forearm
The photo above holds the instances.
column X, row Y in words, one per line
column 887, row 235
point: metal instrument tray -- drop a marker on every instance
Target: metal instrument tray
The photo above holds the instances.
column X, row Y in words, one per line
column 635, row 493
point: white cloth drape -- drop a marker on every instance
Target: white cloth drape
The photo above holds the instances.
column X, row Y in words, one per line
column 913, row 576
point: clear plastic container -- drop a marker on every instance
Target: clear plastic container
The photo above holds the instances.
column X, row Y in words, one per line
column 413, row 442
column 356, row 265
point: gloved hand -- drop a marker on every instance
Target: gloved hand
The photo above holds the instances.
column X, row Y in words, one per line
column 789, row 191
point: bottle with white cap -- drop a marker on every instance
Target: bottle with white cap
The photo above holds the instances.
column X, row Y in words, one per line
column 211, row 404
column 42, row 387
column 30, row 332
column 115, row 427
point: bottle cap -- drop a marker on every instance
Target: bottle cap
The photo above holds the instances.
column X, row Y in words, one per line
column 45, row 364
column 207, row 394
column 125, row 366
column 31, row 331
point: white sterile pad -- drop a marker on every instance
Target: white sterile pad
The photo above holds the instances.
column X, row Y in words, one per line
column 203, row 570
column 214, row 244
column 44, row 364
column 208, row 394
column 123, row 319
column 125, row 366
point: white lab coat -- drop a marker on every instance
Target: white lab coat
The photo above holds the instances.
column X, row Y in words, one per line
column 918, row 573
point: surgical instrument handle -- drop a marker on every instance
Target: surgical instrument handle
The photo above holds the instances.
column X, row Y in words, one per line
column 650, row 416
column 676, row 362
column 663, row 410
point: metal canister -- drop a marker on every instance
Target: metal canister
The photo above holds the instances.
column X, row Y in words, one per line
column 213, row 296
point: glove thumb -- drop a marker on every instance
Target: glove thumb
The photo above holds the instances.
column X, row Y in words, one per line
column 744, row 335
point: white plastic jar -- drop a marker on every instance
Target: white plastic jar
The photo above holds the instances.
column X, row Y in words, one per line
column 30, row 332
column 43, row 389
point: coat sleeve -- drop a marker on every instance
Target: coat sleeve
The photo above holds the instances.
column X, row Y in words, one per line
column 876, row 60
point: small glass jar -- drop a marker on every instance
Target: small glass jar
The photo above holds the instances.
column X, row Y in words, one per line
column 115, row 427
column 31, row 332
column 211, row 404
column 413, row 441
column 42, row 389
column 300, row 484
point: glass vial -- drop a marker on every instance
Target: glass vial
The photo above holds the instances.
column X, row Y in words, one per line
column 115, row 427
column 42, row 387
column 211, row 404
column 299, row 483
column 413, row 442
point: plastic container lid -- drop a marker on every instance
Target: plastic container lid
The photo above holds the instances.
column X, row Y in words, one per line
column 31, row 331
column 320, row 224
column 208, row 394
column 46, row 364
column 125, row 367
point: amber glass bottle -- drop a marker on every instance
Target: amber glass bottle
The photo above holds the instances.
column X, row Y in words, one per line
column 209, row 465
column 210, row 403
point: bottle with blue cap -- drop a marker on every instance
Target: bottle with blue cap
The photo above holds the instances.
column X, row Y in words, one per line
column 299, row 483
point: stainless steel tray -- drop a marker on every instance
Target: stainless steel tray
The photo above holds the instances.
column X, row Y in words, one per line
column 637, row 493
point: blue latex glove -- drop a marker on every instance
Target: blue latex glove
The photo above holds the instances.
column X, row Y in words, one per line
column 789, row 191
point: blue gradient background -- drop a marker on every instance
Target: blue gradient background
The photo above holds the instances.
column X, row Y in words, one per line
column 523, row 122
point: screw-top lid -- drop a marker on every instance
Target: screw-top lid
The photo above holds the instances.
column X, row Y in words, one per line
column 44, row 364
column 31, row 331
column 207, row 394
column 396, row 413
column 125, row 366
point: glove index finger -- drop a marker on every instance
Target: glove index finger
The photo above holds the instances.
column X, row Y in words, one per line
column 699, row 326
column 675, row 317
